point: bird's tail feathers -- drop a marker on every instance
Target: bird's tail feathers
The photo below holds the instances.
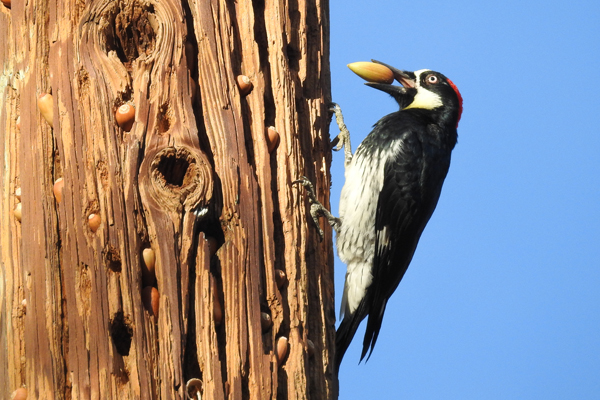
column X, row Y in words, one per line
column 372, row 332
column 346, row 330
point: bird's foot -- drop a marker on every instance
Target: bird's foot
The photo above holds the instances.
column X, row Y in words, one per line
column 316, row 208
column 343, row 138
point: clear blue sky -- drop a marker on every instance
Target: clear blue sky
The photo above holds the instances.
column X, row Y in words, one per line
column 502, row 299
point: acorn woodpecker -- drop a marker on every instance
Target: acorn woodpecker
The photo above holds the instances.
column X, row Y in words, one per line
column 393, row 183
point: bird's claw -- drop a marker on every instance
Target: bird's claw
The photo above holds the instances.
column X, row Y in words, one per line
column 334, row 107
column 316, row 208
column 312, row 200
column 342, row 141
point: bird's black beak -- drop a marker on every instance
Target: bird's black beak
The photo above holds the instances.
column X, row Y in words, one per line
column 406, row 78
column 399, row 93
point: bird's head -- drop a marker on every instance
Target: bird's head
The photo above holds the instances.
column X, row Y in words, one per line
column 425, row 89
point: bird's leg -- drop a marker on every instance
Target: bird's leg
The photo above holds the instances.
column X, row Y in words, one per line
column 343, row 138
column 316, row 208
column 341, row 141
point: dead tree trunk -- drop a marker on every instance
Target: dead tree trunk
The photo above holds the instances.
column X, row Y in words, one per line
column 198, row 181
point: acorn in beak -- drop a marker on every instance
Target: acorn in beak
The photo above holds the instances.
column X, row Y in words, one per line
column 380, row 76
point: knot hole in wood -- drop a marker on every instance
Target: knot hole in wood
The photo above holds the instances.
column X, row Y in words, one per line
column 129, row 28
column 181, row 176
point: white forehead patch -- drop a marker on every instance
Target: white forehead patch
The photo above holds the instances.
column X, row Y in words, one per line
column 418, row 75
column 424, row 98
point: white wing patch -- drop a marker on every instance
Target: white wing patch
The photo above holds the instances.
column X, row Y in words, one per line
column 384, row 239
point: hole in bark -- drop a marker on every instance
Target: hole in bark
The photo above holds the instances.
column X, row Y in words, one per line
column 293, row 56
column 164, row 120
column 181, row 176
column 83, row 81
column 213, row 233
column 134, row 30
column 121, row 333
column 174, row 170
column 103, row 171
column 113, row 259
column 93, row 207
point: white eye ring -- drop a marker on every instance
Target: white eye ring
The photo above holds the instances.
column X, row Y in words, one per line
column 432, row 79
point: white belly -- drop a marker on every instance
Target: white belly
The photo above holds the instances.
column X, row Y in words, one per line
column 356, row 239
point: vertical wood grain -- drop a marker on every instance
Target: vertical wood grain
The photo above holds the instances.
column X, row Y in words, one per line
column 193, row 173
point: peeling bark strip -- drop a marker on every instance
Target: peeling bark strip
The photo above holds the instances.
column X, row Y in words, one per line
column 230, row 106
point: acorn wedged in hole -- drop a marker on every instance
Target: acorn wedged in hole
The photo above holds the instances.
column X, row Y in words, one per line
column 265, row 321
column 150, row 299
column 6, row 3
column 272, row 137
column 194, row 90
column 310, row 348
column 18, row 193
column 125, row 116
column 282, row 349
column 244, row 84
column 217, row 310
column 193, row 387
column 280, row 278
column 57, row 189
column 372, row 72
column 19, row 394
column 148, row 267
column 94, row 222
column 190, row 56
column 17, row 212
column 45, row 107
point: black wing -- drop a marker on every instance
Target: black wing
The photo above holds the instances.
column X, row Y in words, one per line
column 413, row 176
column 411, row 189
column 397, row 209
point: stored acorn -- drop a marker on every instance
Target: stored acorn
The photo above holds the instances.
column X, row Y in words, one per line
column 310, row 348
column 150, row 299
column 46, row 108
column 282, row 349
column 125, row 116
column 193, row 387
column 272, row 137
column 194, row 90
column 280, row 278
column 57, row 189
column 18, row 122
column 18, row 193
column 372, row 72
column 190, row 56
column 6, row 3
column 17, row 212
column 217, row 310
column 265, row 321
column 19, row 394
column 94, row 222
column 148, row 267
column 244, row 84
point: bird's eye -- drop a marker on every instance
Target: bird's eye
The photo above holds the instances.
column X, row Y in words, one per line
column 432, row 79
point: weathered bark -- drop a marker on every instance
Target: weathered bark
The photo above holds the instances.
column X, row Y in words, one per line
column 195, row 165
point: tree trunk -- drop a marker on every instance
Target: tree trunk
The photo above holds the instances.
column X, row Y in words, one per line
column 198, row 181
